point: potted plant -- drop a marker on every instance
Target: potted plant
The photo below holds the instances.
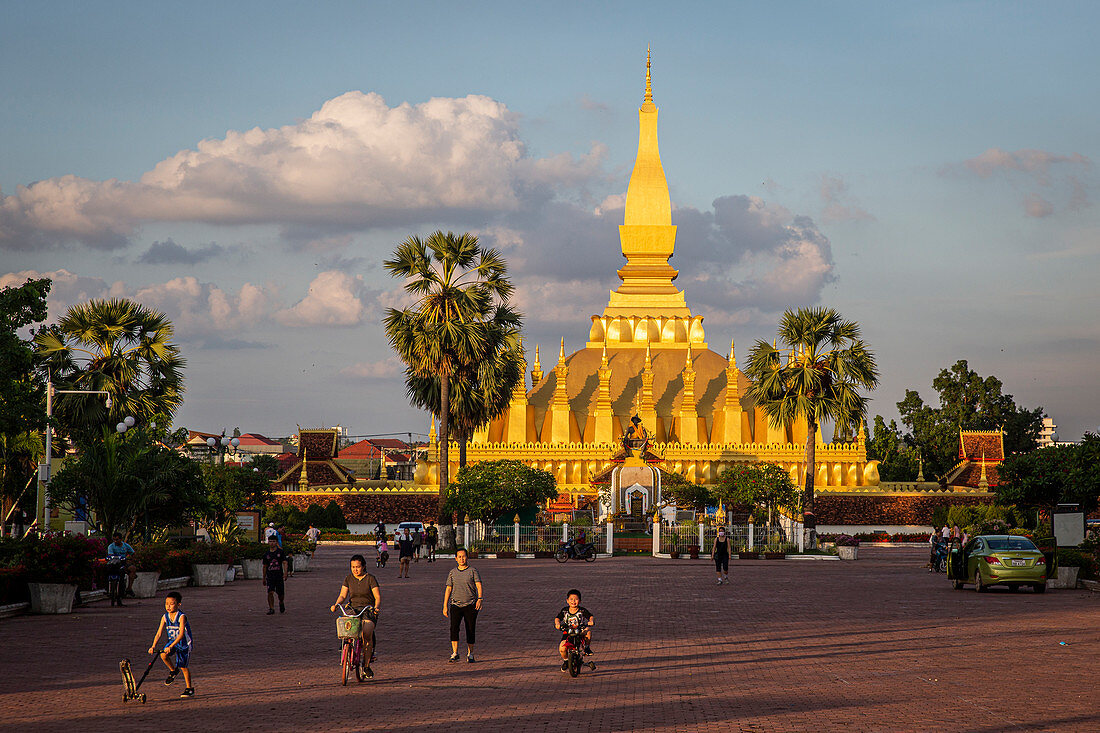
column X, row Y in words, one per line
column 298, row 547
column 209, row 562
column 847, row 547
column 674, row 554
column 149, row 560
column 251, row 556
column 56, row 565
column 693, row 552
column 746, row 554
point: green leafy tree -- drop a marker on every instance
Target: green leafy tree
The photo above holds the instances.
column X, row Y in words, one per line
column 489, row 490
column 118, row 346
column 334, row 516
column 266, row 466
column 685, row 493
column 1045, row 478
column 131, row 481
column 461, row 290
column 898, row 461
column 231, row 489
column 826, row 366
column 763, row 486
column 967, row 401
column 22, row 415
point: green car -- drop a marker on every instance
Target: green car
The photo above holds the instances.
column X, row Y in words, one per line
column 999, row 560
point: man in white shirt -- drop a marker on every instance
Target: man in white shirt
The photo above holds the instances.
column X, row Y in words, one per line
column 270, row 531
column 313, row 533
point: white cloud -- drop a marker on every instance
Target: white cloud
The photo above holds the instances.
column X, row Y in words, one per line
column 1029, row 171
column 1036, row 162
column 197, row 307
column 354, row 164
column 388, row 368
column 334, row 299
column 839, row 205
column 67, row 289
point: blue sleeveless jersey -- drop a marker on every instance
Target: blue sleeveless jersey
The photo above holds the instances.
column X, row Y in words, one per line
column 173, row 629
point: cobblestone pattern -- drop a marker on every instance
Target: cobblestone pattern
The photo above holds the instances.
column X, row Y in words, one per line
column 875, row 645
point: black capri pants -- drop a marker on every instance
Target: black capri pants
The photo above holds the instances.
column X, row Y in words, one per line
column 467, row 614
column 722, row 563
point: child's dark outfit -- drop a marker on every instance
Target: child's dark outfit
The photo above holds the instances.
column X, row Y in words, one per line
column 273, row 561
column 579, row 619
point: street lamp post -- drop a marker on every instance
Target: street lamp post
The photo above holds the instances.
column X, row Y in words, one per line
column 45, row 476
column 219, row 447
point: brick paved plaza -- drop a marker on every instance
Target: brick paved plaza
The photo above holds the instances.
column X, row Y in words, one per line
column 875, row 645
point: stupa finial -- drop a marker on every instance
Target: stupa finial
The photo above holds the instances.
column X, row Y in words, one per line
column 687, row 362
column 561, row 351
column 537, row 365
column 648, row 357
column 648, row 78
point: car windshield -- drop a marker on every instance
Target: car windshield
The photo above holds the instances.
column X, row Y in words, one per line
column 1010, row 543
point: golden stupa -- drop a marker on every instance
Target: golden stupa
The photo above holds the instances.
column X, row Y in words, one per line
column 647, row 355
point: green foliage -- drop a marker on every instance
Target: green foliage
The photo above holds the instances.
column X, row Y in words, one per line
column 231, row 489
column 897, row 460
column 968, row 402
column 826, row 366
column 22, row 413
column 266, row 466
column 763, row 486
column 459, row 327
column 131, row 481
column 211, row 553
column 315, row 515
column 685, row 493
column 1053, row 475
column 291, row 517
column 334, row 516
column 492, row 489
column 119, row 346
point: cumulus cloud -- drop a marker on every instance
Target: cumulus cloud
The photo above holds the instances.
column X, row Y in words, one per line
column 353, row 164
column 388, row 368
column 67, row 288
column 334, row 299
column 1058, row 177
column 170, row 253
column 198, row 307
column 838, row 202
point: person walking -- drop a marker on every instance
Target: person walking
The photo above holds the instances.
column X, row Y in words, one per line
column 720, row 552
column 431, row 539
column 405, row 551
column 418, row 540
column 461, row 602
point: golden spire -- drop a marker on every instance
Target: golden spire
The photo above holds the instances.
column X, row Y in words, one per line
column 648, row 80
column 431, row 431
column 603, row 357
column 537, row 365
column 688, row 364
column 648, row 358
column 536, row 370
column 561, row 352
column 733, row 357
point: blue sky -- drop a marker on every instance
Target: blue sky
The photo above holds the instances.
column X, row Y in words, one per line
column 928, row 169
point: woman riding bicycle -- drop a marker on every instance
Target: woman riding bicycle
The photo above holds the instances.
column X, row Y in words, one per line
column 361, row 591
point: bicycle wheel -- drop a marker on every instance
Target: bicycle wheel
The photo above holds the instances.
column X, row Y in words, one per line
column 360, row 663
column 345, row 661
column 562, row 556
column 574, row 663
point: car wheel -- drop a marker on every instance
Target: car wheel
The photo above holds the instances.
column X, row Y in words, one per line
column 978, row 585
column 1040, row 587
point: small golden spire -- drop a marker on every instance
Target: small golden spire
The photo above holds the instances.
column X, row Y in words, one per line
column 603, row 357
column 561, row 352
column 648, row 357
column 648, row 80
column 538, row 367
column 733, row 358
column 688, row 363
column 431, row 430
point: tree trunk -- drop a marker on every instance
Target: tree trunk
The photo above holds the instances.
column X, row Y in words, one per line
column 809, row 521
column 464, row 439
column 444, row 431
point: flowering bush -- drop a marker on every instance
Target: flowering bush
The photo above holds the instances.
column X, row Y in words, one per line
column 211, row 553
column 846, row 540
column 61, row 557
column 990, row 526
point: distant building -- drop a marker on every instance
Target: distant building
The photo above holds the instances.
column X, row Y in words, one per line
column 980, row 455
column 380, row 458
column 1046, row 433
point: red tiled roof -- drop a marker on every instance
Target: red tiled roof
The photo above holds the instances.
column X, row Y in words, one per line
column 318, row 473
column 971, row 476
column 319, row 443
column 192, row 434
column 256, row 439
column 976, row 444
column 362, row 449
column 286, row 461
column 390, row 443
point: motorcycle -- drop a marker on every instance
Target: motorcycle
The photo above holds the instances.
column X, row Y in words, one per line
column 572, row 550
column 116, row 579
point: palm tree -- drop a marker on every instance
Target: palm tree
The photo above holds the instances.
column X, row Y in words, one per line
column 115, row 345
column 827, row 364
column 461, row 291
column 481, row 391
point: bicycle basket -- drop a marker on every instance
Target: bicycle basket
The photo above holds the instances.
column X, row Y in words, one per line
column 347, row 627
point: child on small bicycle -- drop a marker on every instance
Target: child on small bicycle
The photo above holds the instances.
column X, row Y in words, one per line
column 383, row 553
column 178, row 649
column 576, row 616
column 361, row 591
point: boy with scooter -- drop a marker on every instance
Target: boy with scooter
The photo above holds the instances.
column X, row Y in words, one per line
column 177, row 653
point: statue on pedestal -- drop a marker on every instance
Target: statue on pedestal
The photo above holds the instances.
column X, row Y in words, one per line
column 636, row 438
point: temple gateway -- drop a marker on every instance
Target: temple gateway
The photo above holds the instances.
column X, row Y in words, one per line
column 647, row 355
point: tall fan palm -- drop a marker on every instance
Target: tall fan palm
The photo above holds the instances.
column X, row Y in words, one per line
column 461, row 291
column 115, row 345
column 481, row 391
column 827, row 364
